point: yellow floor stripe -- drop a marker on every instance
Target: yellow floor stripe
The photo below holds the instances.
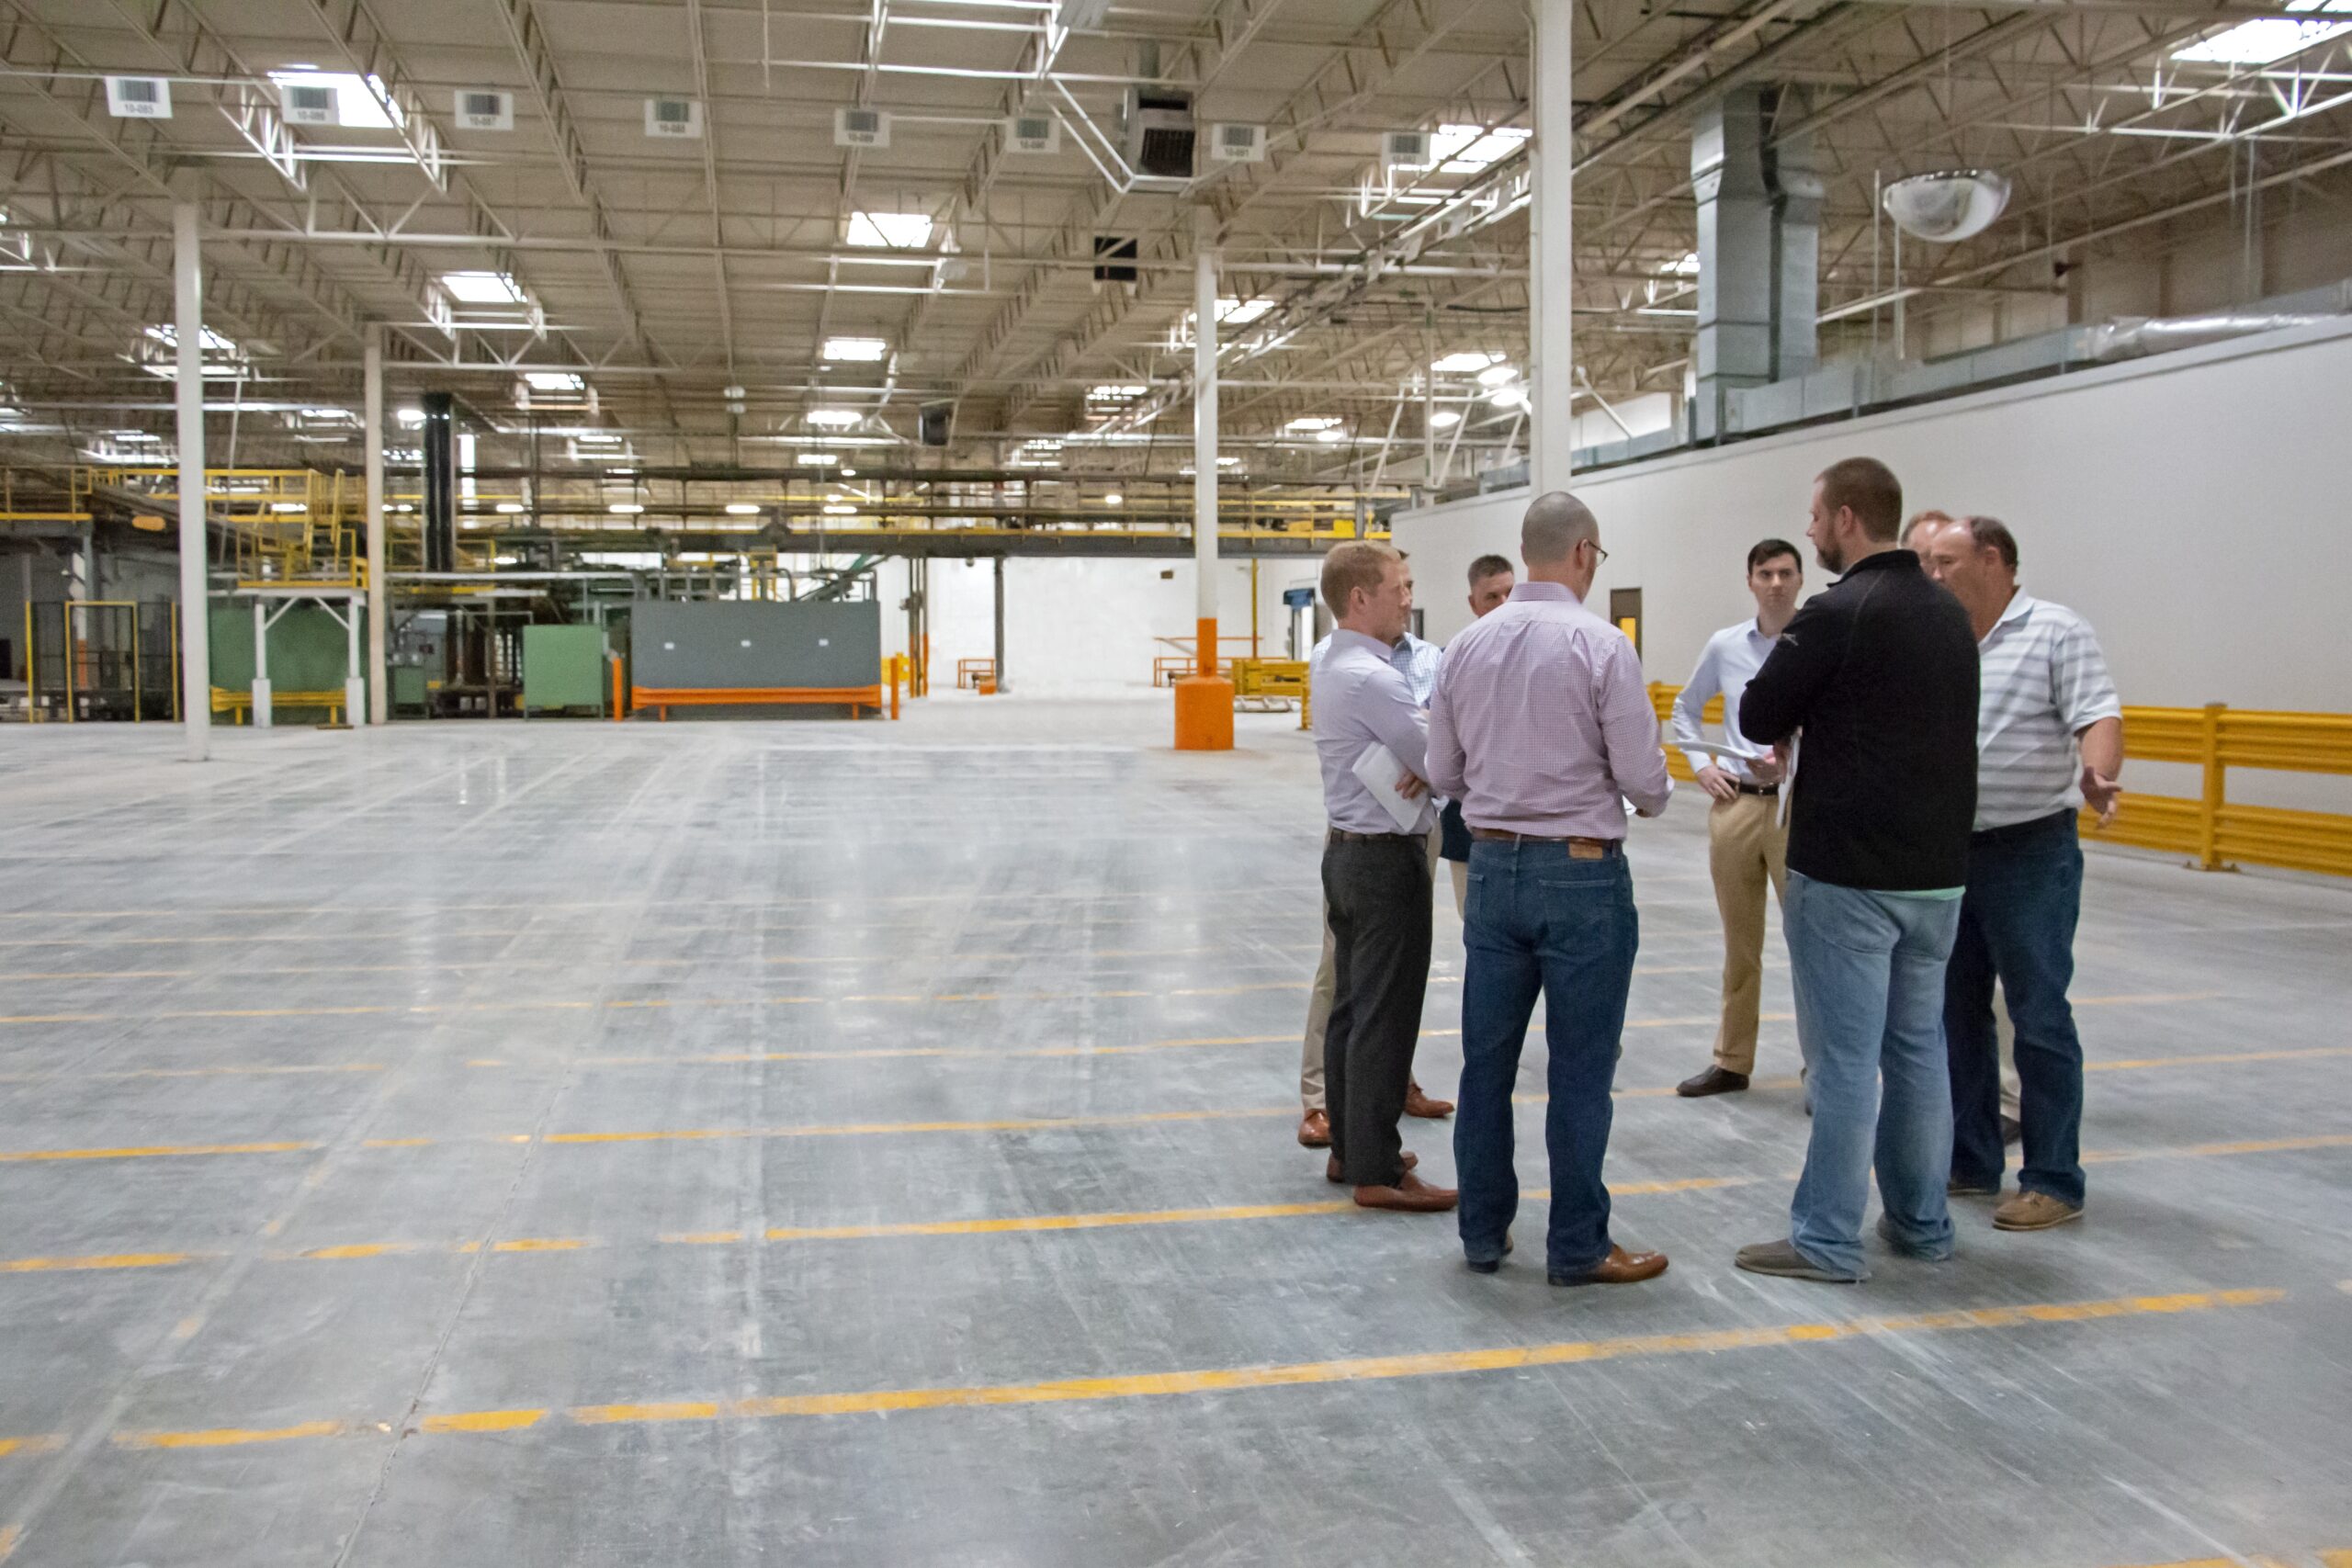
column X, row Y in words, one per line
column 48, row 1444
column 95, row 1261
column 1062, row 1221
column 153, row 1151
column 484, row 1421
column 227, row 1437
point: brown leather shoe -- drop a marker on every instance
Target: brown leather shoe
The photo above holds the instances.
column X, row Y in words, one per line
column 1715, row 1080
column 1411, row 1194
column 1332, row 1167
column 1315, row 1131
column 2033, row 1211
column 1619, row 1267
column 1419, row 1104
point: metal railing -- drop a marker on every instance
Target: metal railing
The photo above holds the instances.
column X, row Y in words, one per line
column 2214, row 833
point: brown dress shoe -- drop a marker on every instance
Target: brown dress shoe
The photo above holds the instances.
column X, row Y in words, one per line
column 1419, row 1104
column 1331, row 1167
column 1315, row 1131
column 1619, row 1267
column 1411, row 1194
column 1715, row 1080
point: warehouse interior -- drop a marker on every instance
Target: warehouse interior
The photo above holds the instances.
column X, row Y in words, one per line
column 661, row 818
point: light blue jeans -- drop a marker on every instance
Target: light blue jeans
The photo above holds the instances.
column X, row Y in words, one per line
column 1867, row 969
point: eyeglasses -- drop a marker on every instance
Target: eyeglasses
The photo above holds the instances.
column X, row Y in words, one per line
column 1599, row 554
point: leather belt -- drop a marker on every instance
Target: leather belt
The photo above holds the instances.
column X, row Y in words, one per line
column 1767, row 791
column 1346, row 837
column 1578, row 846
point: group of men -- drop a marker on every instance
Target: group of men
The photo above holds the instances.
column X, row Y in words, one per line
column 1904, row 758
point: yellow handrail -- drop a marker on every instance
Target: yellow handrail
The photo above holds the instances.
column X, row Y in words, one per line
column 2211, row 830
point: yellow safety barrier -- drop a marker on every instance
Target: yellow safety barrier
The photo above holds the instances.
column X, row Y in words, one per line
column 2213, row 833
column 1662, row 698
column 238, row 701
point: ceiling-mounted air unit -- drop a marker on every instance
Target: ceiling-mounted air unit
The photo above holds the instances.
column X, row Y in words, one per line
column 1404, row 149
column 1948, row 206
column 1237, row 144
column 308, row 103
column 674, row 118
column 485, row 108
column 139, row 98
column 1158, row 131
column 1114, row 258
column 1033, row 133
column 861, row 128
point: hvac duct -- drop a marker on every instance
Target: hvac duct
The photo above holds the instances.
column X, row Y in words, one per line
column 1760, row 251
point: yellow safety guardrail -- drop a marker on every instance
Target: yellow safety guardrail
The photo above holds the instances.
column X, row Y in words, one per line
column 2210, row 830
column 238, row 701
column 1662, row 698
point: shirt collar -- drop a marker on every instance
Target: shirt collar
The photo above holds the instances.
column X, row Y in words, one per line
column 1554, row 592
column 1887, row 560
column 2019, row 603
column 1342, row 637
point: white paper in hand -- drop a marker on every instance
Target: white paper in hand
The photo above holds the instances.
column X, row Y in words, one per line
column 1378, row 770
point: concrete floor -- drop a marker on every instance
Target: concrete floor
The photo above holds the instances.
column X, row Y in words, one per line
column 563, row 1143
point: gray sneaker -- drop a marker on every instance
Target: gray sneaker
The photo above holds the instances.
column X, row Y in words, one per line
column 1782, row 1260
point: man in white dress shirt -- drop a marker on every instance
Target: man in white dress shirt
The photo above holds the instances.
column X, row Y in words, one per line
column 1747, row 845
column 1375, row 877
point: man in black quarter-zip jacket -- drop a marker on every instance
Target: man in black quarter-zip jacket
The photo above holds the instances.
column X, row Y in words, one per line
column 1873, row 687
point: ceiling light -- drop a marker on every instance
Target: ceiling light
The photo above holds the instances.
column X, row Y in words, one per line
column 817, row 459
column 1333, row 434
column 835, row 418
column 840, row 509
column 553, row 380
column 283, row 506
column 596, row 438
column 2268, row 39
column 510, row 507
column 625, row 509
column 1241, row 312
column 1467, row 149
column 1467, row 362
column 1113, row 499
column 731, row 393
column 1116, row 392
column 1313, row 422
column 856, row 348
column 1509, row 396
column 168, row 335
column 742, row 509
column 1687, row 267
column 1444, row 419
column 849, row 473
column 1496, row 374
column 890, row 231
column 483, row 288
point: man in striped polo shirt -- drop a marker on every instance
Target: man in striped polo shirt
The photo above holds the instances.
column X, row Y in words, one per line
column 2049, row 738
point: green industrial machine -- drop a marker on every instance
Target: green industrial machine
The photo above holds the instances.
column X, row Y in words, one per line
column 564, row 667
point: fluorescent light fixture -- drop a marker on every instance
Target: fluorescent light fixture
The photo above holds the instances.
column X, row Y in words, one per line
column 553, row 380
column 1467, row 362
column 596, row 438
column 1113, row 499
column 890, row 231
column 510, row 507
column 288, row 506
column 1241, row 312
column 168, row 335
column 835, row 418
column 2269, row 39
column 482, row 289
column 817, row 459
column 1496, row 374
column 1116, row 392
column 1687, row 267
column 849, row 473
column 408, row 416
column 1509, row 396
column 360, row 104
column 864, row 349
column 1333, row 434
column 1312, row 422
column 1444, row 419
column 839, row 509
column 742, row 509
column 1467, row 148
column 625, row 509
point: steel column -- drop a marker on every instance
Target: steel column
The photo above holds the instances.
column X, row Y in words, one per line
column 380, row 689
column 1550, row 287
column 1204, row 269
column 195, row 639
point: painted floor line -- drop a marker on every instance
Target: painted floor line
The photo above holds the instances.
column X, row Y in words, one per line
column 1032, row 1223
column 1229, row 1380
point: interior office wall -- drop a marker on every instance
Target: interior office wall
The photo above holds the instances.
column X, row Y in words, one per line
column 2191, row 505
column 1082, row 627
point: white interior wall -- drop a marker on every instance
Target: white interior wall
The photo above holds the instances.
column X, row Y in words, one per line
column 2191, row 505
column 1084, row 626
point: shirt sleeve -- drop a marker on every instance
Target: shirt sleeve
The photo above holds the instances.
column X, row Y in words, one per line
column 1690, row 703
column 1401, row 724
column 1629, row 731
column 2080, row 687
column 1445, row 755
column 1774, row 705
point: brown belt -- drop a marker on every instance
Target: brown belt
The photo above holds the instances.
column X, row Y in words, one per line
column 1579, row 848
column 1346, row 837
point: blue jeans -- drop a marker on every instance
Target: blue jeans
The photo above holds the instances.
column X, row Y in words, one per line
column 2024, row 889
column 1867, row 969
column 1538, row 920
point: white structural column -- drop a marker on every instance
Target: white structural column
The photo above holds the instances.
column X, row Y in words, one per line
column 195, row 639
column 379, row 690
column 263, row 710
column 1550, row 283
column 1204, row 268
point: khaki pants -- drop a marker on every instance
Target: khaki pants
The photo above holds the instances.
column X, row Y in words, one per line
column 1747, row 851
column 1460, row 888
column 1319, row 1003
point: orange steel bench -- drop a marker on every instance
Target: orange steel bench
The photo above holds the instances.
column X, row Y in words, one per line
column 662, row 699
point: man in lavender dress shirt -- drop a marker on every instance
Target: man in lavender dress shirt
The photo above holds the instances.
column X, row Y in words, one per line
column 1541, row 727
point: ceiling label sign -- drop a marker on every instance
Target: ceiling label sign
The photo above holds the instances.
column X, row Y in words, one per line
column 139, row 98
